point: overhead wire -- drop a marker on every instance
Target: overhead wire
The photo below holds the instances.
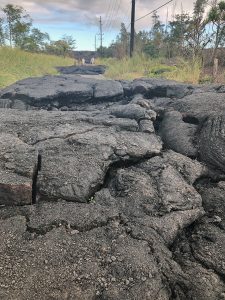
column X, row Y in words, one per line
column 174, row 9
column 116, row 17
column 151, row 12
column 113, row 9
column 106, row 22
column 127, row 15
column 111, row 13
column 107, row 17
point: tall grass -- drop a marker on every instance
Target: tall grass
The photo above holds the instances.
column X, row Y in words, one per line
column 186, row 71
column 16, row 64
column 127, row 68
column 142, row 66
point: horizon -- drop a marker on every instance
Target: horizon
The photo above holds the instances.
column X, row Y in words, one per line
column 80, row 19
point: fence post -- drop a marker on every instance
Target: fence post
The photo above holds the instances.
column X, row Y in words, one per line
column 215, row 67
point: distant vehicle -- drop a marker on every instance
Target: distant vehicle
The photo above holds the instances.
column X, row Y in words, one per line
column 92, row 61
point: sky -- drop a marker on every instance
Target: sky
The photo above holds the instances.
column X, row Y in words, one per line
column 80, row 18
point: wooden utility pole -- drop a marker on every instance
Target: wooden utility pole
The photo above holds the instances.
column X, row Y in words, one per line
column 101, row 35
column 132, row 28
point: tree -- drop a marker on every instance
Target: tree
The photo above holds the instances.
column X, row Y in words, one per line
column 142, row 38
column 106, row 51
column 151, row 50
column 36, row 41
column 217, row 17
column 157, row 27
column 124, row 38
column 70, row 42
column 155, row 45
column 2, row 36
column 62, row 46
column 177, row 35
column 18, row 24
column 121, row 45
column 197, row 36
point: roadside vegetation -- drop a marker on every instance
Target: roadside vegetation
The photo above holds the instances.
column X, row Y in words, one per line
column 141, row 65
column 16, row 64
column 188, row 48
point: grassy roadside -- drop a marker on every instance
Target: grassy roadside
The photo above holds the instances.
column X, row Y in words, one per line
column 142, row 66
column 16, row 64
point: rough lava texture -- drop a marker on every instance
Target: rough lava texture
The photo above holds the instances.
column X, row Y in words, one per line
column 111, row 190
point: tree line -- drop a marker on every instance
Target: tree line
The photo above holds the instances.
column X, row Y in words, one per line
column 16, row 30
column 187, row 35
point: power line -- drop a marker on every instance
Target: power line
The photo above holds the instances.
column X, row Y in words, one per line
column 126, row 16
column 116, row 18
column 108, row 14
column 128, row 26
column 151, row 12
column 111, row 14
column 174, row 8
column 114, row 13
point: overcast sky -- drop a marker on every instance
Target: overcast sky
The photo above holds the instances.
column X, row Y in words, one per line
column 80, row 18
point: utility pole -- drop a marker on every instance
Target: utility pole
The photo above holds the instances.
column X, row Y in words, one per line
column 101, row 35
column 132, row 28
column 95, row 42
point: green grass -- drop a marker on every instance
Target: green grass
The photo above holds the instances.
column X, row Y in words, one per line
column 126, row 68
column 186, row 71
column 16, row 64
column 143, row 66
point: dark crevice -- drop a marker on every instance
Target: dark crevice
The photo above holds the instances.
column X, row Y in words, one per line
column 45, row 197
column 185, row 238
column 44, row 229
column 157, row 122
column 159, row 92
column 180, row 290
column 206, row 181
column 176, row 288
column 185, row 234
column 206, row 266
column 120, row 164
column 166, row 148
column 37, row 168
column 65, row 136
column 190, row 120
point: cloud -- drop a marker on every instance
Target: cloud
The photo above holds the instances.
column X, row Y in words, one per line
column 81, row 17
column 87, row 12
